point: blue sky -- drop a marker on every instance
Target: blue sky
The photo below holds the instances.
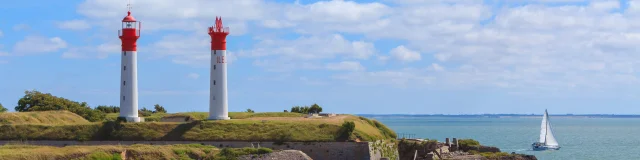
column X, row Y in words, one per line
column 401, row 56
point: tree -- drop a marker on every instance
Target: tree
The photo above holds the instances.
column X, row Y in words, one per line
column 145, row 112
column 108, row 109
column 38, row 101
column 159, row 109
column 315, row 108
column 348, row 128
column 295, row 109
column 2, row 109
column 285, row 111
column 250, row 111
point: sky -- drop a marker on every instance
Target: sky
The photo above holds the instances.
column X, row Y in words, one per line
column 367, row 57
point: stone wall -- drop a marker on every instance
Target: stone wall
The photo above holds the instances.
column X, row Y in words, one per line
column 315, row 150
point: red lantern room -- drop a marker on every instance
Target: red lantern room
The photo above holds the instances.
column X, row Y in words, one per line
column 218, row 35
column 130, row 32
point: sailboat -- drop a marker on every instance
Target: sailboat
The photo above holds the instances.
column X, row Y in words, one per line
column 547, row 141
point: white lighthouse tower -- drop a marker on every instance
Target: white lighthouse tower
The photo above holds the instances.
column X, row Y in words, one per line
column 218, row 101
column 129, row 70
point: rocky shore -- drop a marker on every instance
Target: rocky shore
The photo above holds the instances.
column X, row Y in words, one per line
column 464, row 149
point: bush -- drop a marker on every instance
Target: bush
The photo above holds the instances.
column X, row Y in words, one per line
column 468, row 142
column 159, row 109
column 2, row 109
column 38, row 101
column 108, row 109
column 144, row 112
column 315, row 108
column 250, row 111
column 264, row 150
column 348, row 128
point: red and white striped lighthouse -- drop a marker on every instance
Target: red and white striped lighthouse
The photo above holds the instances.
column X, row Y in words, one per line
column 218, row 101
column 129, row 70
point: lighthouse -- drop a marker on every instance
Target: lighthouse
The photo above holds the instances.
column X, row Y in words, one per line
column 218, row 101
column 129, row 69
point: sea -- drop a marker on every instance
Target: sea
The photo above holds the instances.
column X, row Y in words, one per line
column 580, row 138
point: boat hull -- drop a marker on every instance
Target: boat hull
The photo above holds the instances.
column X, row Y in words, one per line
column 544, row 148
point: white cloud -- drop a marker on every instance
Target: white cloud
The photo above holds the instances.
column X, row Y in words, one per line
column 539, row 46
column 436, row 67
column 74, row 25
column 100, row 51
column 38, row 44
column 346, row 66
column 399, row 78
column 193, row 75
column 312, row 47
column 404, row 54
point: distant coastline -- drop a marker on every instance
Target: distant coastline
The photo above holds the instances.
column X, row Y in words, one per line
column 504, row 115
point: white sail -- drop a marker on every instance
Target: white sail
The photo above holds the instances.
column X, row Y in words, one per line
column 543, row 128
column 550, row 140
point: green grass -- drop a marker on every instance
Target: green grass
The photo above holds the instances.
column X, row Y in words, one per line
column 113, row 152
column 244, row 127
column 44, row 117
column 236, row 115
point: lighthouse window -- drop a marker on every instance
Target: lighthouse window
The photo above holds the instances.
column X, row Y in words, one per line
column 123, row 98
column 125, row 68
column 214, row 82
column 125, row 53
column 128, row 24
column 124, row 83
column 214, row 67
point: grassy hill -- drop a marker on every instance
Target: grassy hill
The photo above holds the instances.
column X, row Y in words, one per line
column 184, row 151
column 45, row 117
column 276, row 126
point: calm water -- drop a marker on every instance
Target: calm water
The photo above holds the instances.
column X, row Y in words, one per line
column 580, row 138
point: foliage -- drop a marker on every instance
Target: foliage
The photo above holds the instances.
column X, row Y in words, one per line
column 286, row 111
column 315, row 108
column 250, row 111
column 468, row 143
column 2, row 109
column 348, row 128
column 497, row 155
column 159, row 109
column 38, row 101
column 144, row 112
column 108, row 109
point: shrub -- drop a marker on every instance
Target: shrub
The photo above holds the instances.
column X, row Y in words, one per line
column 159, row 109
column 315, row 108
column 2, row 109
column 108, row 109
column 250, row 111
column 264, row 150
column 468, row 142
column 38, row 101
column 348, row 128
column 145, row 112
